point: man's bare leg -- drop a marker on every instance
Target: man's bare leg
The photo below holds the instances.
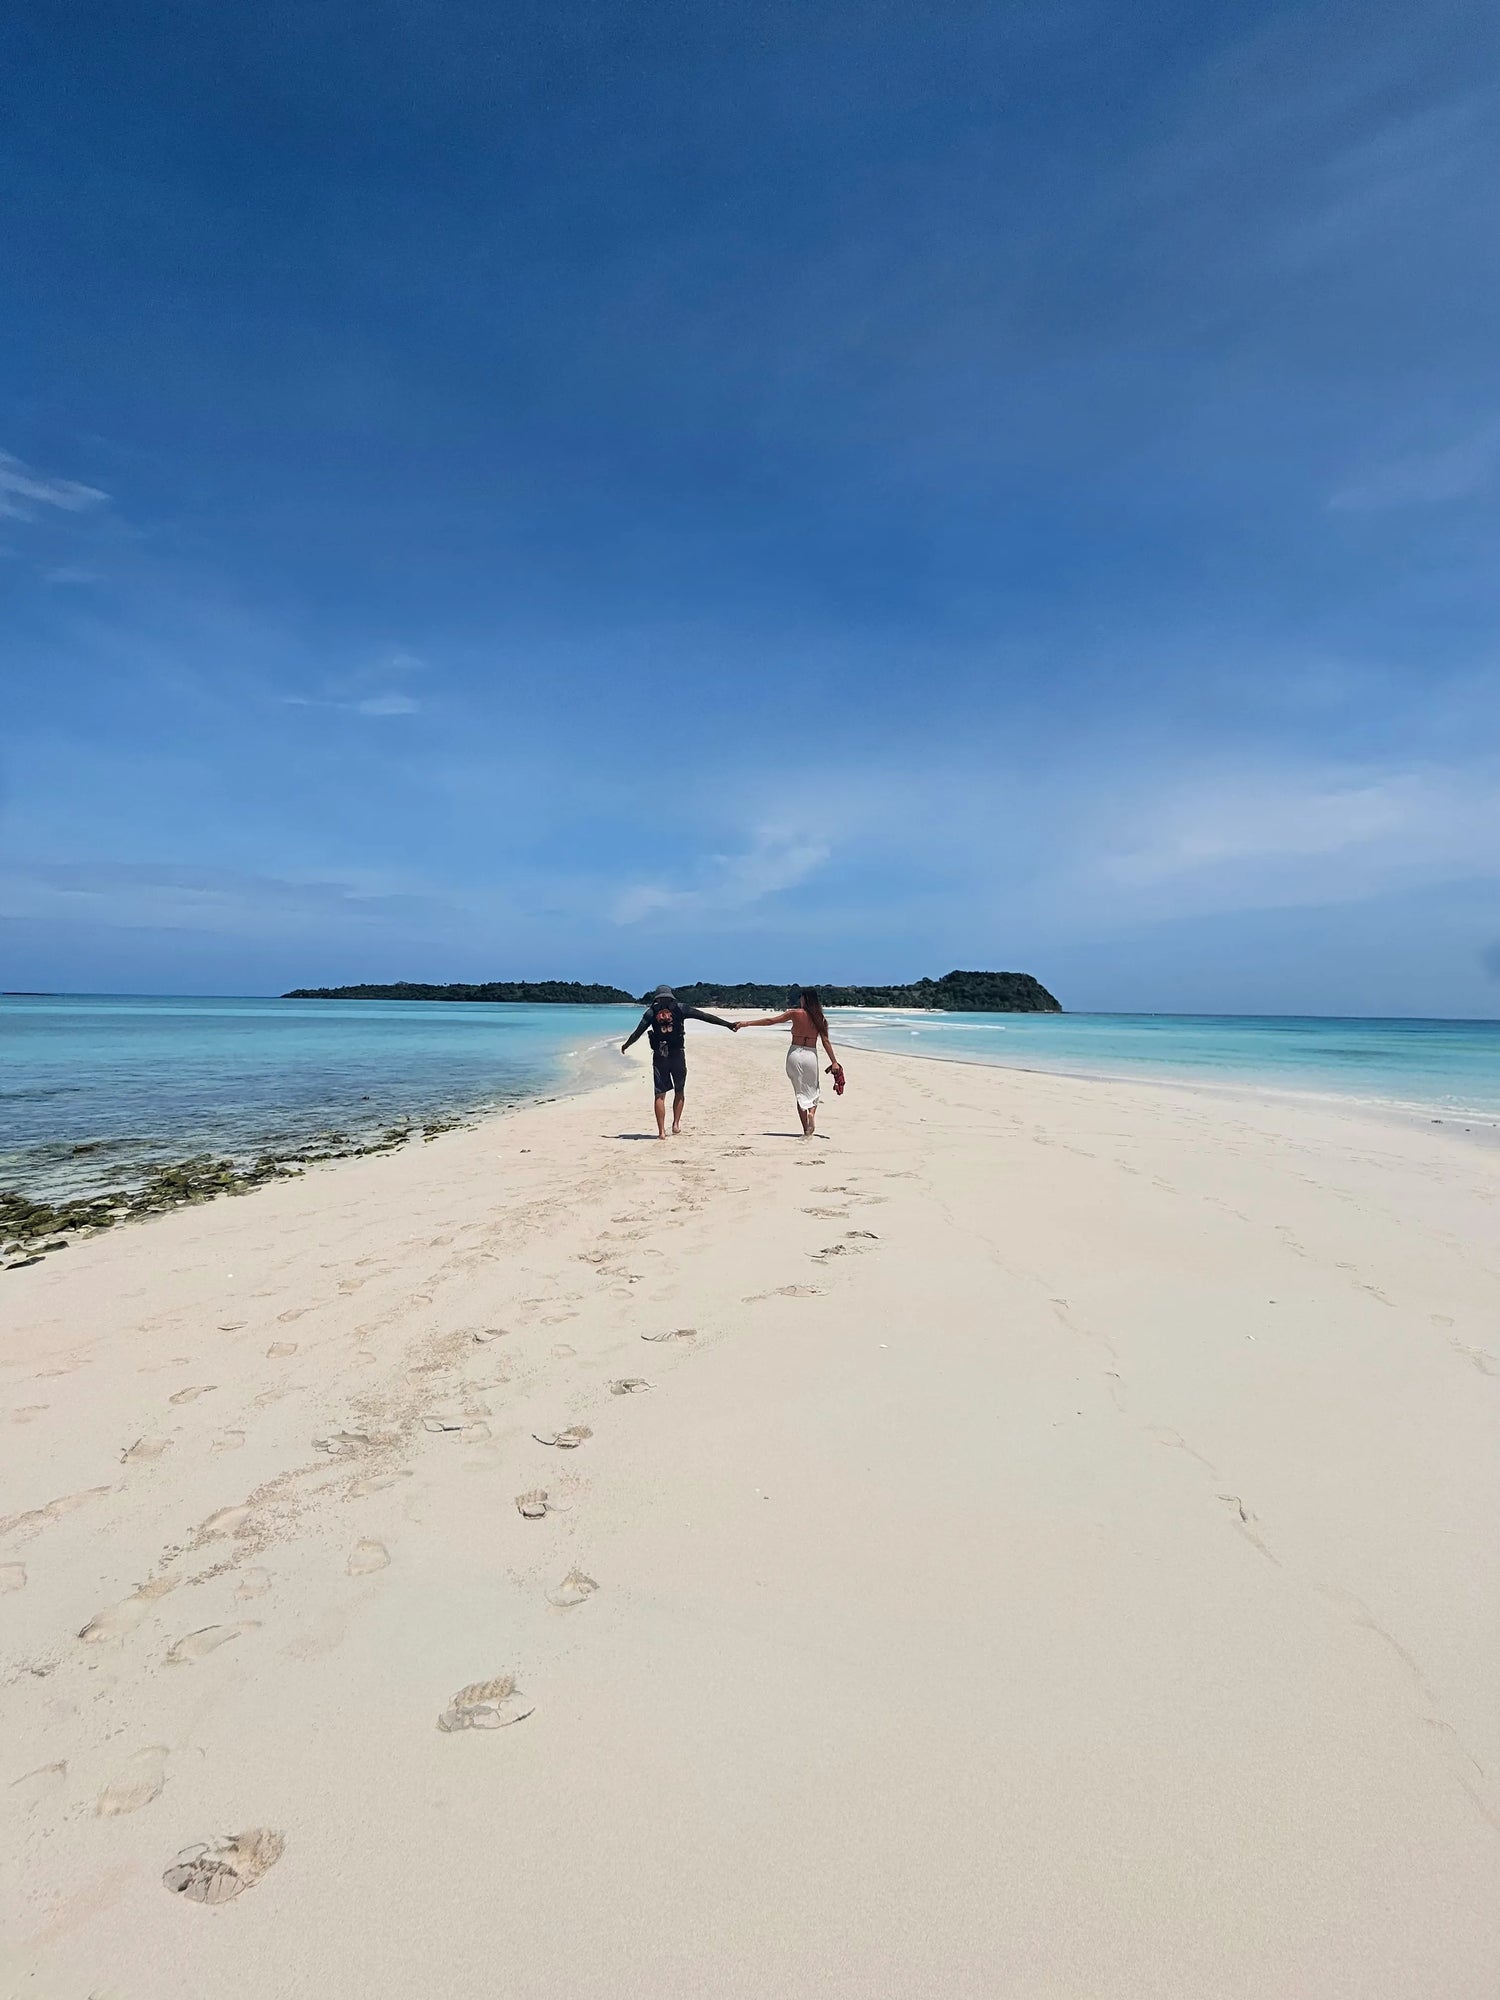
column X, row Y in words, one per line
column 677, row 1103
column 661, row 1116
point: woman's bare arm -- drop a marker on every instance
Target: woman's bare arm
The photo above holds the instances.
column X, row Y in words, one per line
column 767, row 1021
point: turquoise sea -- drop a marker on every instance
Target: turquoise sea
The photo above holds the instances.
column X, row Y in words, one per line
column 1445, row 1069
column 140, row 1082
column 95, row 1090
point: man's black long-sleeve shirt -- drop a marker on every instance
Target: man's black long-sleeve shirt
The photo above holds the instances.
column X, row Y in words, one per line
column 666, row 1020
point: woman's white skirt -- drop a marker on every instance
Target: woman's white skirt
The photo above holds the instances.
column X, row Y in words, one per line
column 802, row 1074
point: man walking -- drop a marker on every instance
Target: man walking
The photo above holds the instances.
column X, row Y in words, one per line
column 667, row 1018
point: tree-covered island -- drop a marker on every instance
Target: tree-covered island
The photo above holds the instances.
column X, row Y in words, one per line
column 954, row 993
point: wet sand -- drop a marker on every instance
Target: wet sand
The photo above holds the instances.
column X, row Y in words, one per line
column 1039, row 1539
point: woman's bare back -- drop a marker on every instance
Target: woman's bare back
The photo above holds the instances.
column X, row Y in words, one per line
column 804, row 1034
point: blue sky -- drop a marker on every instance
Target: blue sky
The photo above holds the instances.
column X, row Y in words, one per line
column 753, row 491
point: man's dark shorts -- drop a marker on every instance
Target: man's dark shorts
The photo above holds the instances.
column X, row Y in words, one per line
column 669, row 1071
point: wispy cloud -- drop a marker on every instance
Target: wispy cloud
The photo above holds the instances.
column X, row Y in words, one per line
column 388, row 704
column 1425, row 479
column 777, row 857
column 23, row 491
column 367, row 690
column 224, row 901
column 1286, row 837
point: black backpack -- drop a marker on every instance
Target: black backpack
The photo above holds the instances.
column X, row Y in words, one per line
column 666, row 1022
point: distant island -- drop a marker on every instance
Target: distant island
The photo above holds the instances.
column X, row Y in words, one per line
column 954, row 993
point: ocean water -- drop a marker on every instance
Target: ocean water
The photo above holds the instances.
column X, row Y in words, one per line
column 140, row 1082
column 95, row 1091
column 1443, row 1069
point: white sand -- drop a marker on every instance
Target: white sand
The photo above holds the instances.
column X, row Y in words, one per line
column 1085, row 1585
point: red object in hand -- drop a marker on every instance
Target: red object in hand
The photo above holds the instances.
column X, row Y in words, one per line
column 836, row 1071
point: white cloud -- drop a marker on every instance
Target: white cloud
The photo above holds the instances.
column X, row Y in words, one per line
column 387, row 704
column 777, row 858
column 22, row 491
column 366, row 690
column 1246, row 838
column 375, row 704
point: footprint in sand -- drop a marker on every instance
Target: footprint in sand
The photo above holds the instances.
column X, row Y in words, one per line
column 573, row 1589
column 532, row 1505
column 568, row 1440
column 36, row 1787
column 628, row 1385
column 192, row 1395
column 121, row 1619
column 1477, row 1357
column 375, row 1482
column 36, row 1517
column 484, row 1334
column 368, row 1556
column 562, row 1351
column 868, row 1234
column 208, row 1639
column 673, row 1333
column 342, row 1444
column 228, row 1441
column 144, row 1448
column 486, row 1705
column 1245, row 1521
column 12, row 1576
column 212, row 1871
column 232, row 1325
column 281, row 1350
column 254, row 1583
column 136, row 1784
column 28, row 1410
column 225, row 1521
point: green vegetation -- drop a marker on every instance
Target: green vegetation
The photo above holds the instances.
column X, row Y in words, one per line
column 955, row 992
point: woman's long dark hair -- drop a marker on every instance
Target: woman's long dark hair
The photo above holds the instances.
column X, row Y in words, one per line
column 812, row 1006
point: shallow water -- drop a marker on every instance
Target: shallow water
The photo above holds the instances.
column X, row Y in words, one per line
column 95, row 1090
column 1442, row 1068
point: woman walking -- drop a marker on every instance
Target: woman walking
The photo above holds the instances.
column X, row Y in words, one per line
column 809, row 1027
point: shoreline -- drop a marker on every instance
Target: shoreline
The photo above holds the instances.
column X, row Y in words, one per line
column 205, row 1176
column 1040, row 1482
column 191, row 1179
column 1484, row 1125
